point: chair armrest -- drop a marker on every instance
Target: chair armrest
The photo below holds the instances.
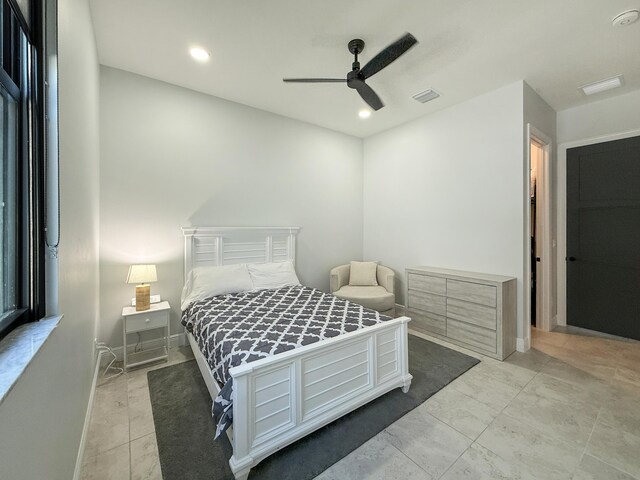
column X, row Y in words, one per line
column 386, row 278
column 339, row 277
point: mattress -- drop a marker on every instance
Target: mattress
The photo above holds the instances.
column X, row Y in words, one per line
column 239, row 328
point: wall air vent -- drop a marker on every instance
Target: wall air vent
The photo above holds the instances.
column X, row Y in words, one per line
column 602, row 85
column 426, row 96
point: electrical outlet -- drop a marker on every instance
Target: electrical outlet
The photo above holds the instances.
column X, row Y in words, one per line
column 152, row 299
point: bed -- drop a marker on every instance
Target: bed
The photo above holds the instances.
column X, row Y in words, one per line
column 279, row 398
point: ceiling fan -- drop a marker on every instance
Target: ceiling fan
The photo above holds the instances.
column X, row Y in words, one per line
column 357, row 76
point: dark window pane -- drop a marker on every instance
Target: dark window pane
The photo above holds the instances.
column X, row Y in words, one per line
column 8, row 201
column 7, row 57
column 25, row 9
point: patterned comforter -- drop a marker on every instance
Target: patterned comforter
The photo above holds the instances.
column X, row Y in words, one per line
column 243, row 327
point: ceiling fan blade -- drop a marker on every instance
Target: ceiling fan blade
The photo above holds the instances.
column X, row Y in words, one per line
column 367, row 94
column 314, row 80
column 388, row 55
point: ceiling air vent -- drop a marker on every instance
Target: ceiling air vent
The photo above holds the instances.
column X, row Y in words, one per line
column 602, row 85
column 426, row 96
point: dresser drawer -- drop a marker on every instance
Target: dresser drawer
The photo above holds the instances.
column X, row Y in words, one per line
column 472, row 292
column 428, row 321
column 425, row 283
column 472, row 335
column 427, row 302
column 472, row 313
column 144, row 321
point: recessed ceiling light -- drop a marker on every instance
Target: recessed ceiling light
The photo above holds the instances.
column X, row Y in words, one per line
column 602, row 85
column 364, row 113
column 626, row 18
column 199, row 54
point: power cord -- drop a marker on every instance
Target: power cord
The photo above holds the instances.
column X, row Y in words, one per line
column 104, row 348
column 138, row 346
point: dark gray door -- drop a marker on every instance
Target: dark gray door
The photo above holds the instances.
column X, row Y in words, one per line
column 603, row 237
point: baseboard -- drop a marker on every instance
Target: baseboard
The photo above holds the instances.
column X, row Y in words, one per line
column 399, row 310
column 176, row 340
column 87, row 419
column 523, row 344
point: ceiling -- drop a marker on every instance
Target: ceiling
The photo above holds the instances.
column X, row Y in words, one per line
column 467, row 47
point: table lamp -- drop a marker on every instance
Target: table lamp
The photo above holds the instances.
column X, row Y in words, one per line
column 142, row 275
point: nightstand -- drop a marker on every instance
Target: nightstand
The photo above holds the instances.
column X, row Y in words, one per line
column 157, row 317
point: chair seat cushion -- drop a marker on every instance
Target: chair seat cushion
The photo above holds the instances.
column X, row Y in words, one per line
column 375, row 298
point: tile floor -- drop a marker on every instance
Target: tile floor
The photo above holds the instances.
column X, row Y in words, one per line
column 567, row 409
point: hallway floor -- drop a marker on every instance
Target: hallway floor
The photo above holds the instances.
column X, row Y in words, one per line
column 569, row 408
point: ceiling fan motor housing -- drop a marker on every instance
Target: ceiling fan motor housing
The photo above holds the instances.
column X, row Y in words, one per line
column 353, row 74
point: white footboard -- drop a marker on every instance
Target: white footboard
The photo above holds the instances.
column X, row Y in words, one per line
column 279, row 399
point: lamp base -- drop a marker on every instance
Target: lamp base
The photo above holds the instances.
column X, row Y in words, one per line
column 143, row 297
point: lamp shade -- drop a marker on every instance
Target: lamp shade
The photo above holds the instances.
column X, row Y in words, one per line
column 142, row 274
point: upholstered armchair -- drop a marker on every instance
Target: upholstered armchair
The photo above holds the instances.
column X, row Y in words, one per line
column 379, row 297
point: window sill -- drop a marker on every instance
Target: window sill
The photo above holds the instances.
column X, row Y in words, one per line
column 19, row 348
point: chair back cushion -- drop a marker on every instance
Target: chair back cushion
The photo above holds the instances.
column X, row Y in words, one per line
column 363, row 274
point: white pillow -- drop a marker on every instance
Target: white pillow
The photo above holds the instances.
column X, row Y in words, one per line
column 363, row 273
column 204, row 282
column 272, row 275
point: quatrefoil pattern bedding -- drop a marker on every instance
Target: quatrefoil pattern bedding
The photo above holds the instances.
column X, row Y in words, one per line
column 243, row 327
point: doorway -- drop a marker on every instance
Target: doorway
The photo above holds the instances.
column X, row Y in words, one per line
column 603, row 234
column 536, row 226
column 539, row 231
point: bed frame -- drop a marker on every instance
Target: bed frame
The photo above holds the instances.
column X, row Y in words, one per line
column 280, row 399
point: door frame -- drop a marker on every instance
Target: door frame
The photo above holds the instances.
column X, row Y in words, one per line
column 561, row 212
column 546, row 321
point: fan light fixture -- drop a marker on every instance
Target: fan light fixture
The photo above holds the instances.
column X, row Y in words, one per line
column 364, row 113
column 200, row 54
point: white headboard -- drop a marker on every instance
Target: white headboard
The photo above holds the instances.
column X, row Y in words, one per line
column 215, row 246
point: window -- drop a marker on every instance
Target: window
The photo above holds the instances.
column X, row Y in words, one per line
column 22, row 167
column 9, row 163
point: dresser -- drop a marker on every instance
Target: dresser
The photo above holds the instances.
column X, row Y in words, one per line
column 474, row 310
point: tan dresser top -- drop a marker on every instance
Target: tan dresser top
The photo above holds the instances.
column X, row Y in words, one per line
column 461, row 274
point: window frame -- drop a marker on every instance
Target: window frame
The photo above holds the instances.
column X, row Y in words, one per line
column 30, row 172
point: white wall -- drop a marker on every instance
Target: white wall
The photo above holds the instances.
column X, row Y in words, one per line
column 172, row 157
column 447, row 190
column 45, row 411
column 600, row 121
column 600, row 118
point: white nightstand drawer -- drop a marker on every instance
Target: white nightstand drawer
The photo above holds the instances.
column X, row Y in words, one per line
column 144, row 321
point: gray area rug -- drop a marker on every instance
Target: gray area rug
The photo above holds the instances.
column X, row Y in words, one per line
column 184, row 428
